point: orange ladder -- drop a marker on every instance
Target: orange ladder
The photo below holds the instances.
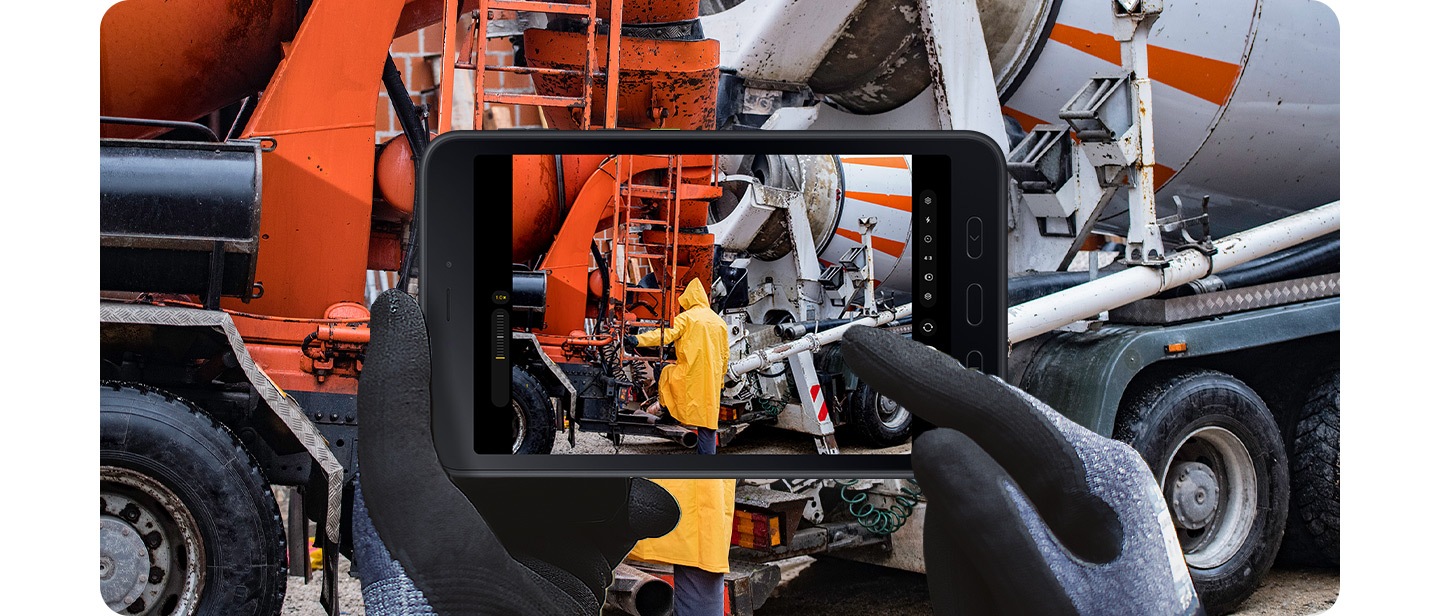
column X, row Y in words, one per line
column 632, row 254
column 582, row 103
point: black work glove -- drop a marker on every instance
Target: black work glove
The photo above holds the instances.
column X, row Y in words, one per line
column 630, row 342
column 526, row 546
column 1029, row 513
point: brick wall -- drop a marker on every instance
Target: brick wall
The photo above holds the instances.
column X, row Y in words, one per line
column 417, row 55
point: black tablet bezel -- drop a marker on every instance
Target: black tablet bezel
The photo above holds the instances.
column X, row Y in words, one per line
column 449, row 208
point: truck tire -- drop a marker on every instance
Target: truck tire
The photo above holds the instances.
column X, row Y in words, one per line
column 1315, row 474
column 188, row 524
column 882, row 422
column 533, row 425
column 1216, row 451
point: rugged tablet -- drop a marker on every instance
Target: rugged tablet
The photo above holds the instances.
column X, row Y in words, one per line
column 618, row 300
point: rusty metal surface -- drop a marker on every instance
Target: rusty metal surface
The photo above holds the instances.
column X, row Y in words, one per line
column 663, row 84
column 319, row 179
column 214, row 52
column 284, row 407
column 1179, row 309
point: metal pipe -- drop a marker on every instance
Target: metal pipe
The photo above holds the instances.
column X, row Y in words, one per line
column 418, row 137
column 640, row 594
column 195, row 127
column 810, row 342
column 685, row 438
column 1048, row 313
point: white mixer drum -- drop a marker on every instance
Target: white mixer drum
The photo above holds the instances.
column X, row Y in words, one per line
column 876, row 186
column 1247, row 100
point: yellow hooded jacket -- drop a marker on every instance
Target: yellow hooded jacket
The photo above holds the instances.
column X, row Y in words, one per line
column 702, row 537
column 690, row 388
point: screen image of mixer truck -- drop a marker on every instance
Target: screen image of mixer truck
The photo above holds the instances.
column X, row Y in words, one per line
column 688, row 297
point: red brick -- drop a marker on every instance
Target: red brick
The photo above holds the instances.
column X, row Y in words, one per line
column 409, row 43
column 529, row 116
column 493, row 80
column 434, row 39
column 419, row 75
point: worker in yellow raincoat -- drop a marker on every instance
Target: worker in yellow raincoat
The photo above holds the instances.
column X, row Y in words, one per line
column 690, row 388
column 699, row 546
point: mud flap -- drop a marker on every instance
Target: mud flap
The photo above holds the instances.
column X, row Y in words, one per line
column 282, row 405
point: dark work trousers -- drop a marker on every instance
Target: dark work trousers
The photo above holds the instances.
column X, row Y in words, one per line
column 705, row 444
column 699, row 592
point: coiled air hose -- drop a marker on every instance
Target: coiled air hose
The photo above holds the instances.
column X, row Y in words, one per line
column 880, row 521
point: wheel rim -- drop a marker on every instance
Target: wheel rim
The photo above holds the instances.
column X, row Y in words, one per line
column 151, row 557
column 892, row 415
column 517, row 427
column 1212, row 490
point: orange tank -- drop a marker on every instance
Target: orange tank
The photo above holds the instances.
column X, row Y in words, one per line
column 215, row 53
column 534, row 184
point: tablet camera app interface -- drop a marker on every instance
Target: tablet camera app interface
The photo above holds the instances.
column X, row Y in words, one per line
column 664, row 304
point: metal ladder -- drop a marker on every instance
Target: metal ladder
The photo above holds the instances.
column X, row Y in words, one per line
column 633, row 255
column 583, row 103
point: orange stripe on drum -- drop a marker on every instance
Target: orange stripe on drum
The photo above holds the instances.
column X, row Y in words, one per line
column 887, row 246
column 893, row 162
column 898, row 202
column 1206, row 78
column 1027, row 121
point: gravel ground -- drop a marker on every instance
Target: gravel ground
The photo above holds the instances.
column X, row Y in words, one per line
column 834, row 587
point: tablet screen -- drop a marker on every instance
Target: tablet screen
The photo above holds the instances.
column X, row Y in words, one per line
column 628, row 303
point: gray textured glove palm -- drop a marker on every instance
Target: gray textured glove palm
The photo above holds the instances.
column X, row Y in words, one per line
column 522, row 547
column 1029, row 513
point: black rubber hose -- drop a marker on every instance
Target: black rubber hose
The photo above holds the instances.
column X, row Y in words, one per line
column 604, row 283
column 1318, row 256
column 1310, row 259
column 419, row 139
column 1034, row 286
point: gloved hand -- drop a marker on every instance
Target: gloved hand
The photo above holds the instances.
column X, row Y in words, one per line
column 630, row 342
column 524, row 547
column 1029, row 513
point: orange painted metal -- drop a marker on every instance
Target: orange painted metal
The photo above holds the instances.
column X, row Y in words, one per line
column 320, row 109
column 395, row 177
column 444, row 91
column 649, row 11
column 181, row 60
column 662, row 84
column 533, row 184
column 568, row 260
column 612, row 63
column 586, row 72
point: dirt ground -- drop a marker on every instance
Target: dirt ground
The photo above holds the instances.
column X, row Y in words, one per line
column 833, row 587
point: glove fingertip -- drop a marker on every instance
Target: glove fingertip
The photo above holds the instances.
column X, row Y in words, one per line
column 653, row 511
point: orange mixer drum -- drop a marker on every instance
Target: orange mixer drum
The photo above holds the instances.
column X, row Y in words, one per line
column 181, row 60
column 536, row 187
column 647, row 11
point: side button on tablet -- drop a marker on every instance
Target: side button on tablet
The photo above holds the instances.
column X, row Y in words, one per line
column 974, row 359
column 974, row 238
column 974, row 304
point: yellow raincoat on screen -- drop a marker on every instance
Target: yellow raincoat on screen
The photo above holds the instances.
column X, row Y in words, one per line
column 702, row 537
column 690, row 388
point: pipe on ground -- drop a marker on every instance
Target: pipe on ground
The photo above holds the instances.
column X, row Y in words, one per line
column 685, row 438
column 640, row 594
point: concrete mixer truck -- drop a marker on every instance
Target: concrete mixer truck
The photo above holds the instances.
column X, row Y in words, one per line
column 1187, row 157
